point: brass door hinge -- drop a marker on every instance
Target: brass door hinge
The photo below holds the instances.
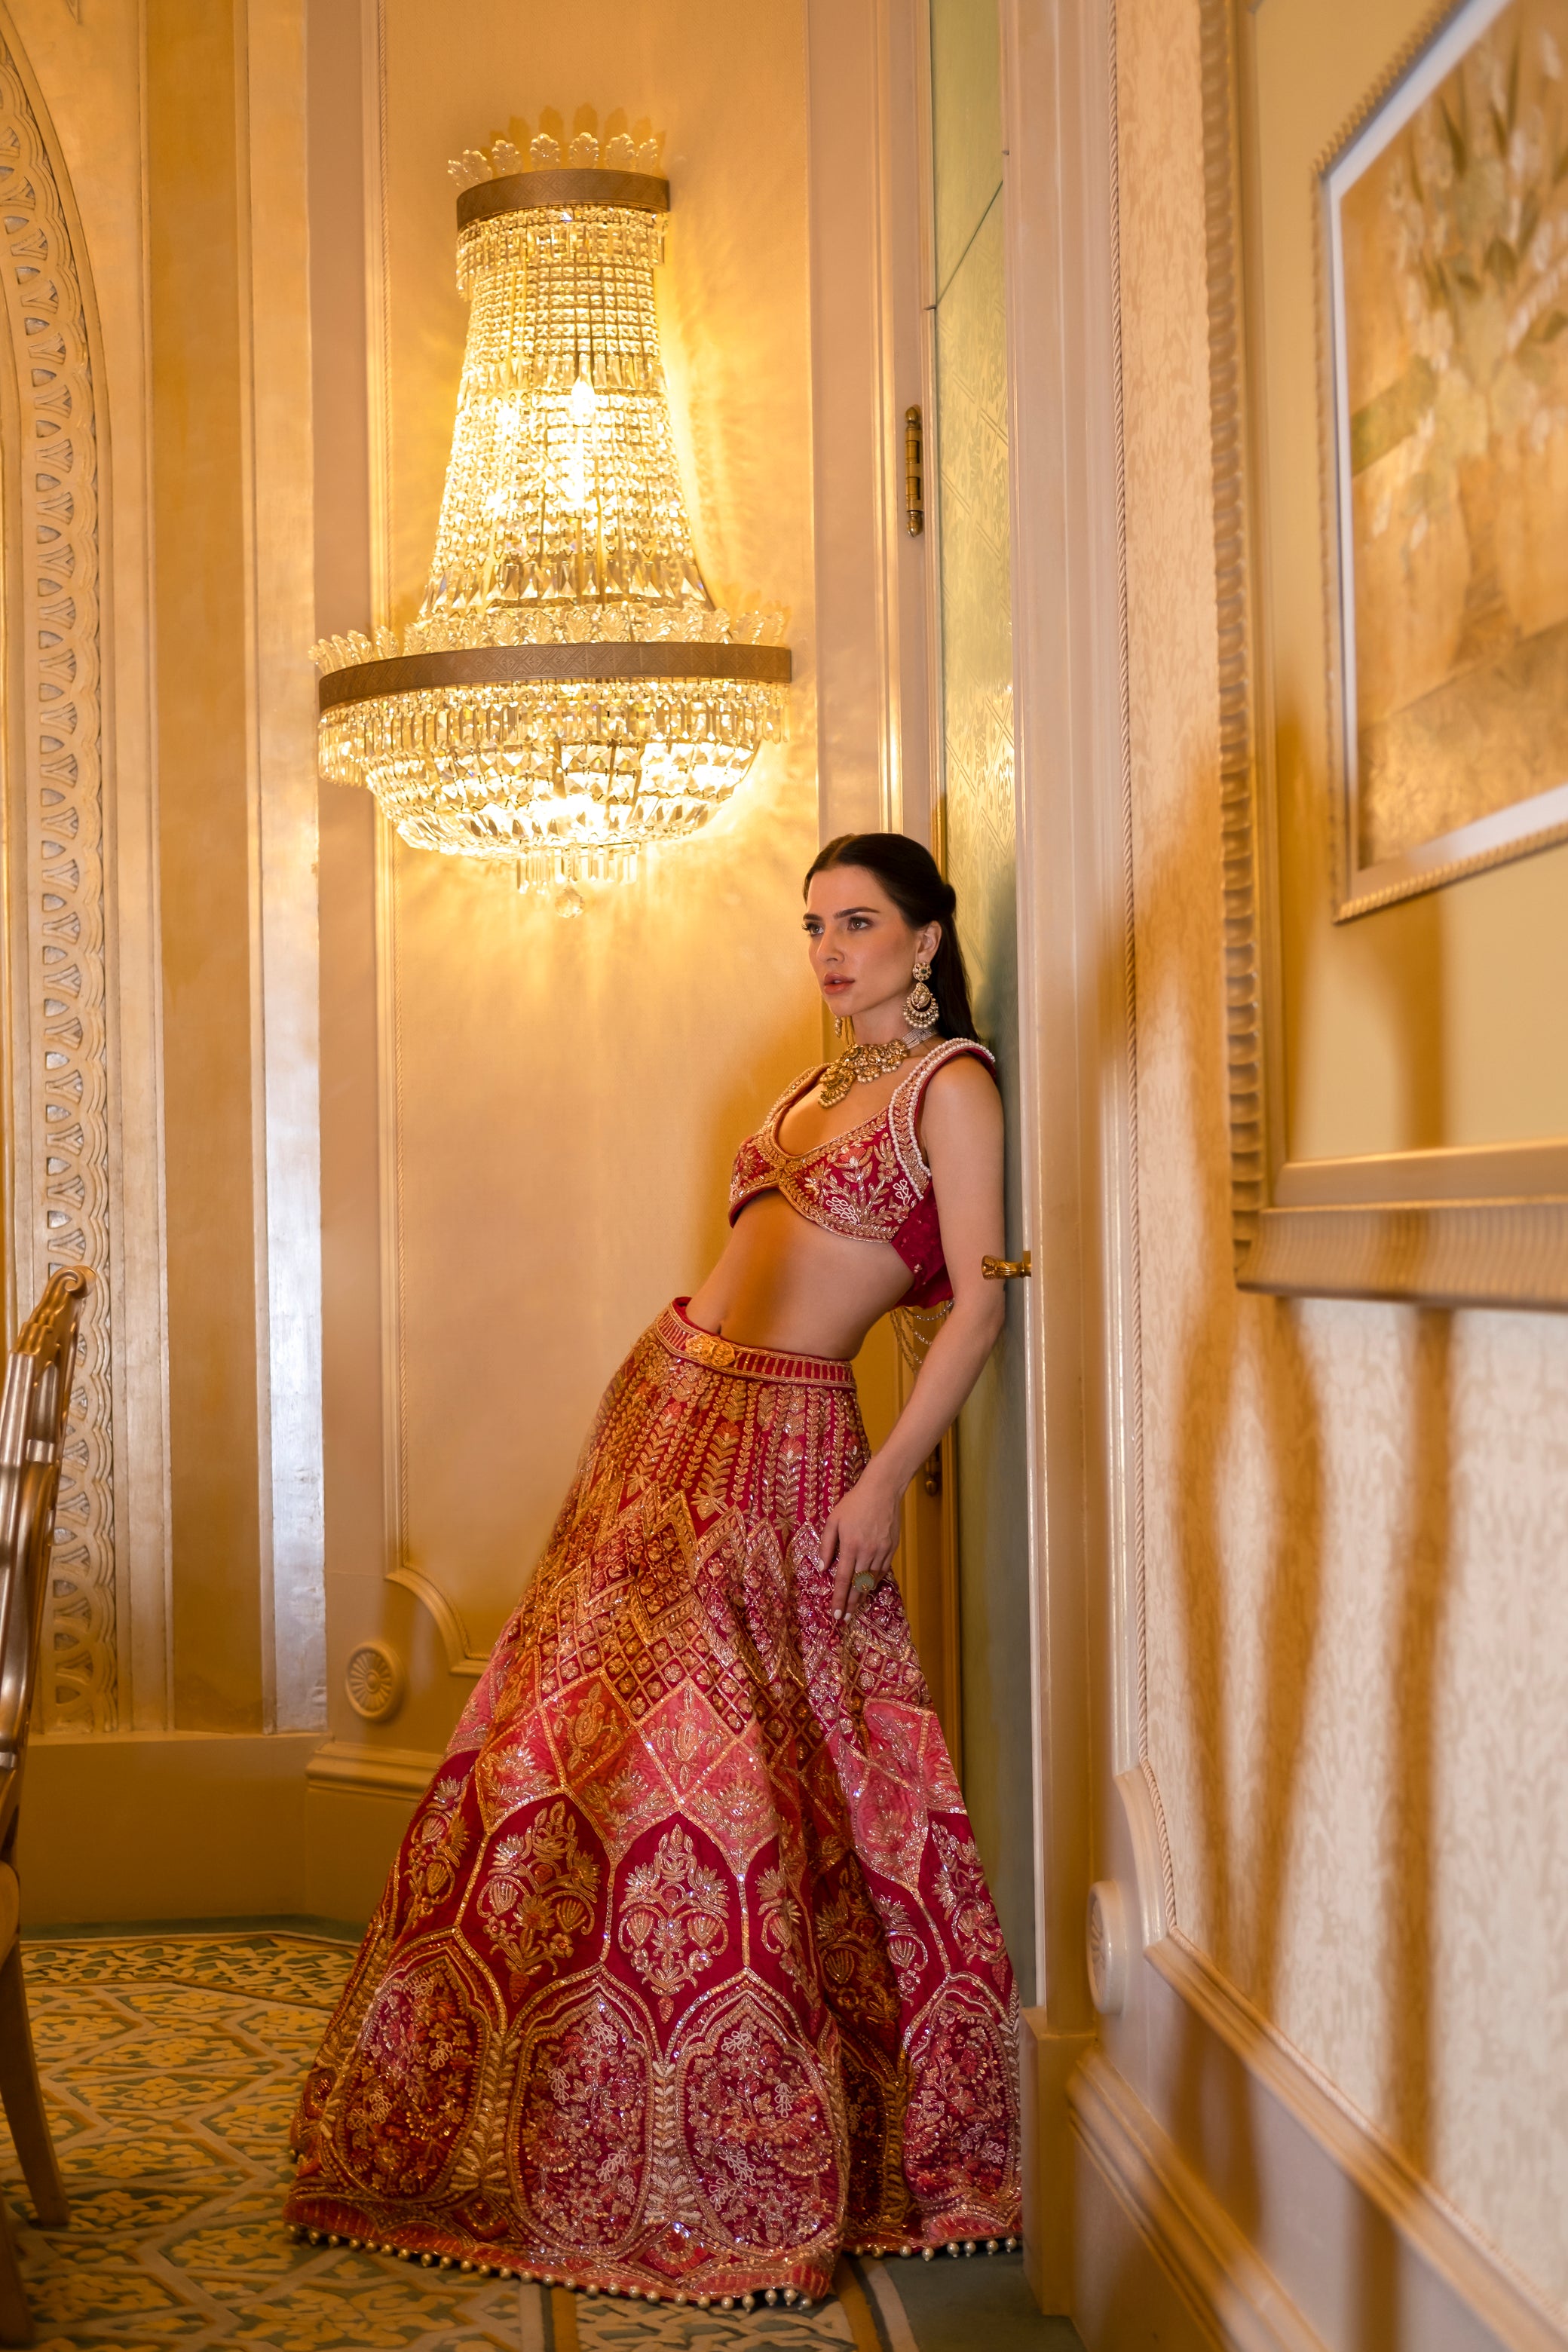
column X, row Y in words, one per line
column 1006, row 1269
column 914, row 473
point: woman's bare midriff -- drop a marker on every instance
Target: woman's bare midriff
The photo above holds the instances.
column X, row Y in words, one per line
column 785, row 1283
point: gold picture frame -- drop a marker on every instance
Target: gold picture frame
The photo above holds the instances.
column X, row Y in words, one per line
column 1398, row 1062
column 1447, row 399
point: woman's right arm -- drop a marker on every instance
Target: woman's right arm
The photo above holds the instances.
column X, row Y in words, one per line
column 963, row 1137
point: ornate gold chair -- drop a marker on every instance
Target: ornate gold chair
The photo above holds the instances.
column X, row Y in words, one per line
column 32, row 1430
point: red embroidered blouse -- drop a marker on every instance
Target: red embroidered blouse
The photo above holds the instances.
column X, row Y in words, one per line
column 871, row 1182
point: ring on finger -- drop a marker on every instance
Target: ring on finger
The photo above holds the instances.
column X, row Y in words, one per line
column 865, row 1579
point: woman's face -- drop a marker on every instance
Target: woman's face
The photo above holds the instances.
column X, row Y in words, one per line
column 862, row 950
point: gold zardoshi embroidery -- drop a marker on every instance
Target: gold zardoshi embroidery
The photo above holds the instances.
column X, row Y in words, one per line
column 686, row 1977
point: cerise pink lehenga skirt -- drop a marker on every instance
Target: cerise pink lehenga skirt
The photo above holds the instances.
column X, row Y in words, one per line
column 686, row 1976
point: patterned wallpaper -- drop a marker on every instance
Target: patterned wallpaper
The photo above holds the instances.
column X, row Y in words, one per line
column 1358, row 1615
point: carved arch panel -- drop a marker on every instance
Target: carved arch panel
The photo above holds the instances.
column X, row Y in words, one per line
column 54, row 895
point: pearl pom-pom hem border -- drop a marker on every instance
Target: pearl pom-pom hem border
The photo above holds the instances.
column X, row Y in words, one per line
column 581, row 2281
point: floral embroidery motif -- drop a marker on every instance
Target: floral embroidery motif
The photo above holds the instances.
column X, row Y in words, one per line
column 688, row 1741
column 584, row 2129
column 758, row 2125
column 905, row 1947
column 783, row 1923
column 966, row 1900
column 855, row 1974
column 435, row 1846
column 540, row 1894
column 588, row 1726
column 407, row 2092
column 960, row 2130
column 687, row 1975
column 675, row 1915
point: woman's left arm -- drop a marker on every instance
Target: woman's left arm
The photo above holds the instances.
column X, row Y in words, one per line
column 960, row 1131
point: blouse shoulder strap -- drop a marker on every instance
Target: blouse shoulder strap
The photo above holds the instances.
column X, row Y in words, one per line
column 904, row 1109
column 951, row 1049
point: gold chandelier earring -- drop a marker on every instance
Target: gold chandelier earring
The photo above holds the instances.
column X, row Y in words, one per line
column 922, row 1010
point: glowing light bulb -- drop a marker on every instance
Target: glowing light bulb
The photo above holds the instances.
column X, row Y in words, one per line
column 581, row 401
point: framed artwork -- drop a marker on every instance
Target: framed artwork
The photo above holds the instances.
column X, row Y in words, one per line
column 1445, row 225
column 1388, row 243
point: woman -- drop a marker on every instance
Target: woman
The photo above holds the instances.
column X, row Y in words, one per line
column 686, row 1976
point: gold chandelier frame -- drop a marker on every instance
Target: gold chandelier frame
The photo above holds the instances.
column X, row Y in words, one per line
column 551, row 664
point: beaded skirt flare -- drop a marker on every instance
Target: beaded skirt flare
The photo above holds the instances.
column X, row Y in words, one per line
column 686, row 1976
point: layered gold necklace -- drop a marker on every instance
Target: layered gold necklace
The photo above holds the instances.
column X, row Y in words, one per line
column 863, row 1065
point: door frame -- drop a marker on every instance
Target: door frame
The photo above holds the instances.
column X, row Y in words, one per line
column 1073, row 786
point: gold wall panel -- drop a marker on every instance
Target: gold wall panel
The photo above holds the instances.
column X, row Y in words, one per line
column 161, row 919
column 199, row 596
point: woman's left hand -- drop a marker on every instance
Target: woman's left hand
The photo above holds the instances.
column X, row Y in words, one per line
column 858, row 1542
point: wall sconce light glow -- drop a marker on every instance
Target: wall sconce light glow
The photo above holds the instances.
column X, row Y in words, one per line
column 569, row 691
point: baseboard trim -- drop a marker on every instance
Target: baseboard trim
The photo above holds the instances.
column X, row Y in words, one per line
column 164, row 1826
column 1047, row 2062
column 196, row 1825
column 401, row 1773
column 1219, row 2277
column 1278, row 2217
column 1462, row 2266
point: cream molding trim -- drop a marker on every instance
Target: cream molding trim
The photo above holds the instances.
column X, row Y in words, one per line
column 1156, row 1879
column 1460, row 2261
column 343, row 1766
column 1215, row 2270
column 58, row 1048
column 1143, row 1810
column 1447, row 1253
column 462, row 1658
column 1490, row 1174
column 1238, row 846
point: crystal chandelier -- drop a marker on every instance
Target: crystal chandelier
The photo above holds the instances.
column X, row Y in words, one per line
column 569, row 691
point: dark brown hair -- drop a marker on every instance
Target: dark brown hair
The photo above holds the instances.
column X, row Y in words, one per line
column 912, row 880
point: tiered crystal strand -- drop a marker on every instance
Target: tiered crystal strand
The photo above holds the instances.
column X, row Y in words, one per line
column 563, row 488
column 562, row 524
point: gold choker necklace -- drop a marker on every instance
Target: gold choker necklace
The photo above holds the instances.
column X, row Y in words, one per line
column 862, row 1065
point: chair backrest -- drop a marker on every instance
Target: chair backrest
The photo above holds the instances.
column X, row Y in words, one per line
column 33, row 1412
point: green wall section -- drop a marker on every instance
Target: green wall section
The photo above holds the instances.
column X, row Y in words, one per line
column 977, row 755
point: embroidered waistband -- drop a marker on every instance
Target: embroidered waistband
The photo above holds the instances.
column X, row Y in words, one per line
column 682, row 1337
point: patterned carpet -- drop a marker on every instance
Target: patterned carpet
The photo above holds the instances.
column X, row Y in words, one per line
column 170, row 2063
